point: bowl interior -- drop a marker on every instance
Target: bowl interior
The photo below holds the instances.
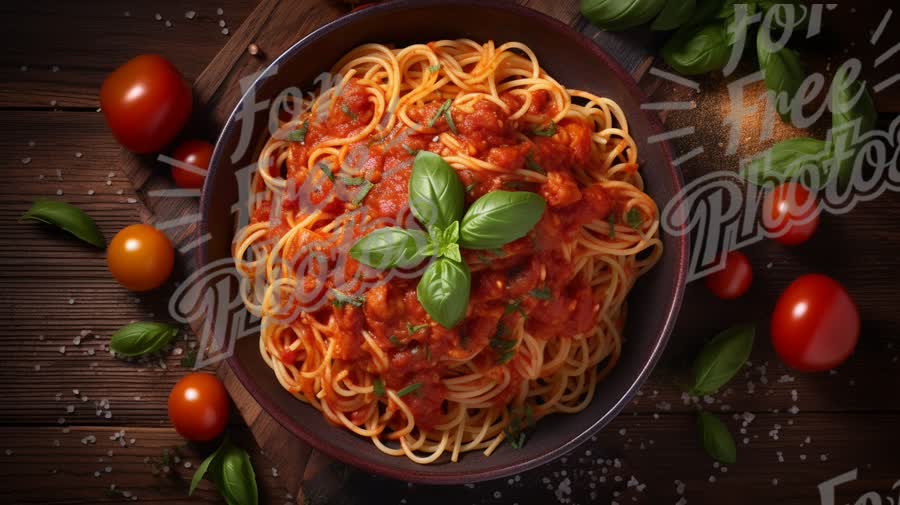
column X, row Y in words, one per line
column 572, row 60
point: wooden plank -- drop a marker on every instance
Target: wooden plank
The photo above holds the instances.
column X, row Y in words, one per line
column 654, row 452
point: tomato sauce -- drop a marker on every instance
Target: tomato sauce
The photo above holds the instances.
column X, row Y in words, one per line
column 529, row 278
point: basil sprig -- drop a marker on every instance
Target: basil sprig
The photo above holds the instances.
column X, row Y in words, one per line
column 783, row 71
column 721, row 359
column 67, row 217
column 695, row 51
column 138, row 339
column 437, row 200
column 230, row 469
column 791, row 159
column 852, row 114
column 614, row 15
column 674, row 14
column 716, row 439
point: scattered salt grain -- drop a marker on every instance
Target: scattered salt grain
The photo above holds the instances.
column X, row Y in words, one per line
column 132, row 200
column 90, row 192
column 59, row 192
column 253, row 49
column 219, row 11
column 70, row 409
column 224, row 31
column 37, row 368
column 774, row 482
column 187, row 464
column 157, row 16
column 221, row 23
column 26, row 160
column 62, row 349
column 71, row 301
column 190, row 14
column 78, row 154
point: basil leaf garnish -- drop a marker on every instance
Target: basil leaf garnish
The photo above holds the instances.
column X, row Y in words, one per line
column 299, row 135
column 436, row 195
column 138, row 339
column 615, row 15
column 499, row 218
column 390, row 247
column 549, row 131
column 716, row 439
column 202, row 469
column 234, row 476
column 443, row 291
column 782, row 69
column 68, row 218
column 698, row 50
column 674, row 14
column 795, row 159
column 852, row 113
column 721, row 359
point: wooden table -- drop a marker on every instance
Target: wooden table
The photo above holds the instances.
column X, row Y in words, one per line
column 67, row 402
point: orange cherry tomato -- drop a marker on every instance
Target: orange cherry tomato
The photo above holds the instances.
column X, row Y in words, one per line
column 790, row 214
column 198, row 407
column 815, row 325
column 734, row 280
column 197, row 154
column 146, row 103
column 140, row 257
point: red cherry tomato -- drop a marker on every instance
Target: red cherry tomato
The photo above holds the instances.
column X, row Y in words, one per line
column 815, row 325
column 790, row 214
column 198, row 407
column 197, row 154
column 146, row 103
column 140, row 257
column 734, row 280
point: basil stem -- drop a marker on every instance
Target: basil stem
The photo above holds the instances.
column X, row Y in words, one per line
column 68, row 218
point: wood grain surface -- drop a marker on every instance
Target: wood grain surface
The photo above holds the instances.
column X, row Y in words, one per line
column 53, row 288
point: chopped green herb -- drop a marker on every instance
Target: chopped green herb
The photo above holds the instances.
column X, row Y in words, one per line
column 515, row 306
column 611, row 219
column 470, row 187
column 633, row 218
column 342, row 299
column 519, row 421
column 412, row 330
column 410, row 150
column 440, row 112
column 450, row 122
column 409, row 389
column 505, row 349
column 378, row 386
column 549, row 131
column 299, row 135
column 189, row 359
column 434, row 68
column 363, row 191
column 353, row 181
column 395, row 341
column 532, row 165
column 327, row 171
column 516, row 185
column 347, row 112
column 541, row 293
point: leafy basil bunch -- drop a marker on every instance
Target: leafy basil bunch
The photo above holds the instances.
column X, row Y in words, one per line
column 437, row 200
column 232, row 472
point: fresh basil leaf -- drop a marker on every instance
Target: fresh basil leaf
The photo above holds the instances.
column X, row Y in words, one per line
column 698, row 50
column 549, row 131
column 615, row 15
column 67, row 217
column 203, row 468
column 299, row 135
column 138, row 339
column 387, row 248
column 234, row 476
column 721, row 359
column 445, row 242
column 499, row 218
column 674, row 14
column 716, row 439
column 782, row 70
column 800, row 159
column 443, row 291
column 853, row 115
column 361, row 193
column 436, row 195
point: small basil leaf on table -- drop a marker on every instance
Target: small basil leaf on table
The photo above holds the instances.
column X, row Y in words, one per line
column 390, row 247
column 436, row 195
column 443, row 291
column 852, row 114
column 614, row 15
column 234, row 476
column 721, row 359
column 138, row 339
column 499, row 218
column 674, row 14
column 716, row 439
column 782, row 69
column 67, row 217
column 698, row 50
column 203, row 468
column 800, row 159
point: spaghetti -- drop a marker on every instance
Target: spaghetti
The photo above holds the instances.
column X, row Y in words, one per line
column 546, row 312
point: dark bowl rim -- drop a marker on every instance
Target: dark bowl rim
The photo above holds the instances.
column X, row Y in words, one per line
column 463, row 476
